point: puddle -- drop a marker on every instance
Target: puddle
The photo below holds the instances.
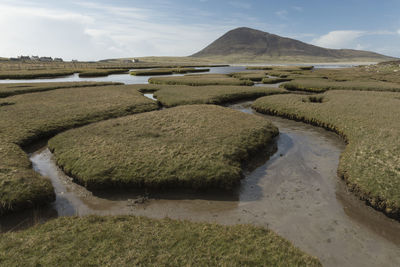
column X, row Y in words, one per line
column 151, row 96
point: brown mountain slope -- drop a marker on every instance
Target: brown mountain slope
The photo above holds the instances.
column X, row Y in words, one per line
column 249, row 44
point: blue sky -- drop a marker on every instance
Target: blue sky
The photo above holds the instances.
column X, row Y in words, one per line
column 91, row 30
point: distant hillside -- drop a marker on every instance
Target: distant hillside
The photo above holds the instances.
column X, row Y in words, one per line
column 245, row 44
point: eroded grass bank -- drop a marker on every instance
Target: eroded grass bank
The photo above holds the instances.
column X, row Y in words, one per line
column 9, row 89
column 31, row 117
column 195, row 146
column 369, row 122
column 174, row 95
column 322, row 85
column 200, row 79
column 128, row 240
column 166, row 71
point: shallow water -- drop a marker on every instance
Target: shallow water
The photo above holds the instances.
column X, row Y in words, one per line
column 130, row 79
column 122, row 78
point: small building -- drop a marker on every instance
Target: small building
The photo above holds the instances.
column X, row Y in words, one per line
column 135, row 60
column 24, row 58
column 58, row 59
column 35, row 58
column 74, row 60
column 46, row 59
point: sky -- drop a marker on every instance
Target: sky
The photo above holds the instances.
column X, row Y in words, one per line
column 93, row 30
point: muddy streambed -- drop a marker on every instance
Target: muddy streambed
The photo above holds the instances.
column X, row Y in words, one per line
column 295, row 193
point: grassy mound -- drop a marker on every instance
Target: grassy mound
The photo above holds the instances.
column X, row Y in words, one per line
column 200, row 79
column 281, row 68
column 369, row 121
column 166, row 71
column 275, row 80
column 9, row 89
column 34, row 74
column 255, row 76
column 322, row 85
column 175, row 95
column 101, row 72
column 30, row 117
column 137, row 241
column 195, row 146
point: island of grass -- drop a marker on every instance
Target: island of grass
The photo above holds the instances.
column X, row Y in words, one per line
column 255, row 76
column 369, row 122
column 194, row 146
column 27, row 118
column 174, row 95
column 9, row 89
column 281, row 68
column 101, row 72
column 322, row 85
column 138, row 241
column 166, row 71
column 200, row 79
column 35, row 74
column 275, row 80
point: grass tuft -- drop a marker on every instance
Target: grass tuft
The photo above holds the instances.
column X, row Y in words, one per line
column 166, row 71
column 138, row 241
column 199, row 80
column 195, row 146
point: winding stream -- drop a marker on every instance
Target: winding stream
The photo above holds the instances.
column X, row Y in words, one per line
column 296, row 193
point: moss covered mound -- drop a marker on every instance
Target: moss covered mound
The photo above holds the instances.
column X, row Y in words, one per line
column 137, row 241
column 322, row 85
column 101, row 72
column 200, row 79
column 275, row 80
column 195, row 146
column 166, row 71
column 30, row 117
column 34, row 74
column 281, row 68
column 9, row 89
column 255, row 76
column 174, row 95
column 369, row 121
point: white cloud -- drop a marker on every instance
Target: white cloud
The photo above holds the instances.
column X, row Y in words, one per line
column 242, row 5
column 282, row 14
column 97, row 31
column 297, row 8
column 398, row 31
column 338, row 39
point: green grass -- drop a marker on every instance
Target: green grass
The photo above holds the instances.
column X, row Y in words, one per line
column 138, row 241
column 369, row 121
column 101, row 72
column 322, row 85
column 194, row 146
column 384, row 73
column 281, row 68
column 275, row 80
column 9, row 89
column 200, row 79
column 166, row 71
column 255, row 76
column 31, row 117
column 35, row 74
column 174, row 95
